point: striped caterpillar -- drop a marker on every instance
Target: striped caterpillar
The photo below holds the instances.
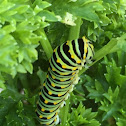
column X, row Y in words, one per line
column 64, row 65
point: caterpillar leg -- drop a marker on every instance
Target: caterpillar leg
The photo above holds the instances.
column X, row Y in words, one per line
column 68, row 95
column 93, row 60
column 86, row 66
column 71, row 88
column 63, row 104
column 57, row 120
column 76, row 80
column 80, row 68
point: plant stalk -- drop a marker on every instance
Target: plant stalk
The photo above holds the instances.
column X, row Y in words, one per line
column 45, row 44
column 75, row 30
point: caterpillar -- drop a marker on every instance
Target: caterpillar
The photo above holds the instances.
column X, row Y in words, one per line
column 64, row 65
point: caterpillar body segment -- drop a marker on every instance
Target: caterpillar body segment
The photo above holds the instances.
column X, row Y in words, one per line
column 62, row 76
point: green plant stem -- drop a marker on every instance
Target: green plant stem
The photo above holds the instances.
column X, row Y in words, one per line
column 73, row 34
column 24, row 81
column 45, row 44
column 75, row 30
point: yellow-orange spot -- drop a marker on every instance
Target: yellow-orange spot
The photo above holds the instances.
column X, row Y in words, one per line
column 78, row 61
column 48, row 117
column 50, row 93
column 54, row 50
column 57, row 61
column 72, row 56
column 55, row 119
column 61, row 80
column 42, row 109
column 53, row 85
column 86, row 50
column 61, row 74
column 46, row 101
column 62, row 87
column 48, row 69
column 54, row 103
column 67, row 43
column 63, row 66
column 44, row 84
column 39, row 93
column 53, row 77
column 51, row 110
column 69, row 51
column 74, row 68
column 59, row 95
column 83, row 37
column 47, row 123
column 40, row 116
column 56, row 113
column 71, row 78
column 49, row 60
column 53, row 69
column 47, row 76
column 85, row 40
column 73, row 73
column 84, row 57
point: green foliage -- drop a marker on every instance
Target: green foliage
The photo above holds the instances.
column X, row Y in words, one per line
column 81, row 116
column 31, row 29
column 111, row 101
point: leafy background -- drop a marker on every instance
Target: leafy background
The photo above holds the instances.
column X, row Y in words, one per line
column 31, row 29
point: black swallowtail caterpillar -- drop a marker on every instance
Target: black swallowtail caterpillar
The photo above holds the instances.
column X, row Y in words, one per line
column 64, row 65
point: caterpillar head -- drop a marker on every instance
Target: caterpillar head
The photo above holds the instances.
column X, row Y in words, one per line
column 89, row 50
